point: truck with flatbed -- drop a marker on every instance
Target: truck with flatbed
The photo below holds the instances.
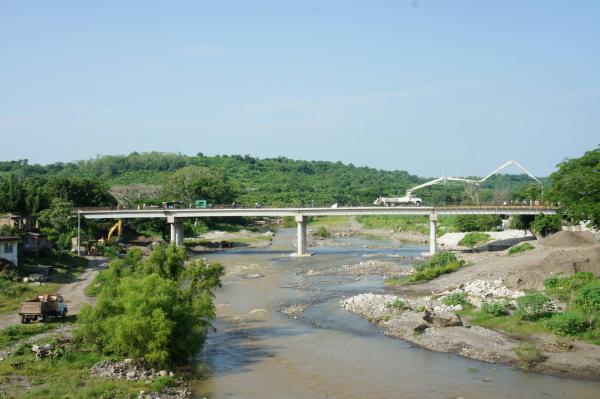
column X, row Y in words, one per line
column 42, row 308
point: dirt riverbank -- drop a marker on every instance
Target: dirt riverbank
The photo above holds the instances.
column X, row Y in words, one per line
column 415, row 313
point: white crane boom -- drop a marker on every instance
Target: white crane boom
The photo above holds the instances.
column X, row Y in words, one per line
column 507, row 164
column 475, row 182
column 439, row 180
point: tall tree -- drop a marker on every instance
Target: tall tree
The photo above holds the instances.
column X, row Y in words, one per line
column 194, row 182
column 576, row 184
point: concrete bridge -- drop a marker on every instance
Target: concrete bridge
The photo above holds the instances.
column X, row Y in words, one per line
column 175, row 217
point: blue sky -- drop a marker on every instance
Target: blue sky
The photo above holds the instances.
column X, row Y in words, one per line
column 413, row 85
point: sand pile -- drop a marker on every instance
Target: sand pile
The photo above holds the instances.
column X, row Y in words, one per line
column 569, row 239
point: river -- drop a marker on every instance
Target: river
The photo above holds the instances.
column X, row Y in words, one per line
column 258, row 352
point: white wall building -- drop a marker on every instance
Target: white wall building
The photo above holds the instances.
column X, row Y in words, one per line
column 9, row 249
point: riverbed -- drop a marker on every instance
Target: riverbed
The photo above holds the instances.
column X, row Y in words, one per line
column 322, row 351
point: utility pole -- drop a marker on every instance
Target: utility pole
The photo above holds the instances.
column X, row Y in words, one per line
column 78, row 231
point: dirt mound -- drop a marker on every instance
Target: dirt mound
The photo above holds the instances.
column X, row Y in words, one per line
column 569, row 239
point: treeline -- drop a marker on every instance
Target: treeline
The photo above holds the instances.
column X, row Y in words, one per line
column 243, row 179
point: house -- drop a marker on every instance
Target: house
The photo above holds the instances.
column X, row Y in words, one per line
column 9, row 249
column 19, row 222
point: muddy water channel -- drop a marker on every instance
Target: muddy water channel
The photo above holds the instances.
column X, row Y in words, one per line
column 326, row 352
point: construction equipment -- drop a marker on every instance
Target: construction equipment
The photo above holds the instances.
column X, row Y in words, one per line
column 397, row 201
column 43, row 307
column 409, row 198
column 117, row 226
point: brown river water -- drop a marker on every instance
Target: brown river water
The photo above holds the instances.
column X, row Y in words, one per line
column 258, row 352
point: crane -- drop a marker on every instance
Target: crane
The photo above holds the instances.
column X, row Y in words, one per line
column 477, row 183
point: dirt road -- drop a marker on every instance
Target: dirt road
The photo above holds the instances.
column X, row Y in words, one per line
column 72, row 292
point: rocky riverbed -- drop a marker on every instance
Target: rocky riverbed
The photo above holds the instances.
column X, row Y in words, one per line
column 416, row 313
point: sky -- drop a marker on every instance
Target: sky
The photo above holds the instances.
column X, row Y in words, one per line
column 425, row 86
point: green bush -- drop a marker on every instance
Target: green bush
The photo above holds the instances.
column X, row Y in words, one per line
column 398, row 304
column 153, row 309
column 321, row 232
column 546, row 224
column 529, row 356
column 563, row 288
column 477, row 222
column 534, row 305
column 567, row 323
column 495, row 309
column 471, row 240
column 457, row 298
column 587, row 300
column 520, row 248
column 438, row 264
column 163, row 382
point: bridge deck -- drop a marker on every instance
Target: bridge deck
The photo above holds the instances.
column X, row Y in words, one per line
column 281, row 212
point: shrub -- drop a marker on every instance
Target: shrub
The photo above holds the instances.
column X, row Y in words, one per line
column 587, row 300
column 152, row 309
column 546, row 224
column 564, row 287
column 534, row 305
column 398, row 304
column 566, row 323
column 477, row 222
column 458, row 298
column 471, row 240
column 520, row 248
column 440, row 263
column 529, row 356
column 495, row 309
column 321, row 232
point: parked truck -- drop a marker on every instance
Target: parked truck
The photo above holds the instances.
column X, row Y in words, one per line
column 43, row 307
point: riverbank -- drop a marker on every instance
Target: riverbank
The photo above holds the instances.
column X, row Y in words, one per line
column 417, row 313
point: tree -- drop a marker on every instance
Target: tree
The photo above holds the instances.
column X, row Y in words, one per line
column 56, row 222
column 157, row 309
column 477, row 222
column 80, row 191
column 546, row 224
column 576, row 185
column 193, row 182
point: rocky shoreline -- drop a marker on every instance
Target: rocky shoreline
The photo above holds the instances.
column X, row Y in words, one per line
column 427, row 322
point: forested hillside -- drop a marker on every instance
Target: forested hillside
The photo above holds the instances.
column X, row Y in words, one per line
column 244, row 179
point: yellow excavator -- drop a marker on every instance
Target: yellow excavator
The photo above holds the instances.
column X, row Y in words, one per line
column 118, row 227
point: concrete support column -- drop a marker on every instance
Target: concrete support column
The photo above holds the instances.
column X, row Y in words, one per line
column 176, row 231
column 301, row 220
column 432, row 237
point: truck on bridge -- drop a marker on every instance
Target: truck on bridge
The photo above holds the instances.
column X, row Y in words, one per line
column 398, row 201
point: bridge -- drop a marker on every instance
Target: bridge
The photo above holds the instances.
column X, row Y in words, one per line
column 175, row 217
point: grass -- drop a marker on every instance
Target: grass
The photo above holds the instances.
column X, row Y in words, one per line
column 398, row 304
column 438, row 264
column 331, row 221
column 529, row 355
column 396, row 223
column 517, row 249
column 511, row 324
column 475, row 238
column 13, row 293
column 65, row 377
column 16, row 333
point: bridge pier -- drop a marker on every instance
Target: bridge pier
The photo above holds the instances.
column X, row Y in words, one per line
column 176, row 231
column 301, row 235
column 432, row 236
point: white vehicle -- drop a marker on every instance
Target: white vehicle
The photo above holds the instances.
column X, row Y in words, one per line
column 398, row 201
